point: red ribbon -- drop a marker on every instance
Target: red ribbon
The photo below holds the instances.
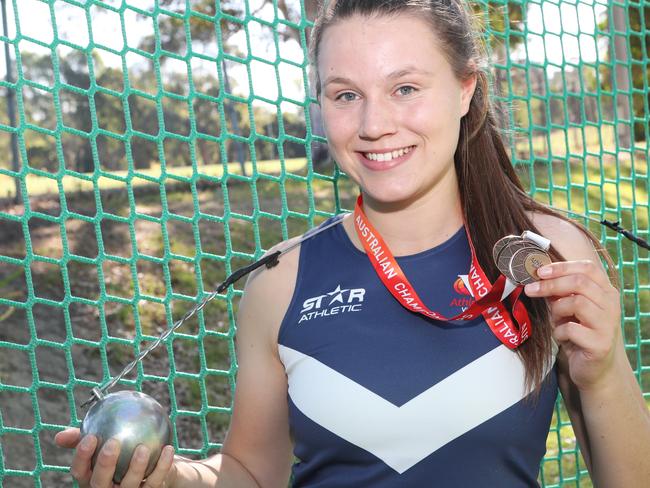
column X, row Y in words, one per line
column 487, row 296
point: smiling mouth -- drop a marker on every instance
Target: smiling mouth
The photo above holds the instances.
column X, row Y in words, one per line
column 388, row 155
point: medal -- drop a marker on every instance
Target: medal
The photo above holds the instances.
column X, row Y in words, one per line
column 519, row 257
column 510, row 328
column 500, row 245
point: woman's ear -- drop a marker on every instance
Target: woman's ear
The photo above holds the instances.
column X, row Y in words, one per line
column 468, row 86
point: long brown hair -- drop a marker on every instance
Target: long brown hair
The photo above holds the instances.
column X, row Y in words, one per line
column 493, row 200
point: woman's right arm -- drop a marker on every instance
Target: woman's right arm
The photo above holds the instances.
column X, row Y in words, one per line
column 257, row 449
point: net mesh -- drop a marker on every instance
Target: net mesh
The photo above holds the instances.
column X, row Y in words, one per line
column 152, row 147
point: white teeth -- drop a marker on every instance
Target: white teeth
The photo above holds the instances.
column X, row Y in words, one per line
column 388, row 156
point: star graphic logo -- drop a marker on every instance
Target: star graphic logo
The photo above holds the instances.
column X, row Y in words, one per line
column 338, row 292
column 349, row 300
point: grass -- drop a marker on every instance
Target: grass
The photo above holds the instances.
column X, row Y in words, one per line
column 586, row 141
column 563, row 462
column 43, row 185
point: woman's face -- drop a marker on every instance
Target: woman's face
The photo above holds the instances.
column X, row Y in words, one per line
column 391, row 106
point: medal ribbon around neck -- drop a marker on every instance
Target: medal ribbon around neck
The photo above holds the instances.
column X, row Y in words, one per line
column 487, row 296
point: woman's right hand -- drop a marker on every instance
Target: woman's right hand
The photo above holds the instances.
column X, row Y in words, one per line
column 102, row 476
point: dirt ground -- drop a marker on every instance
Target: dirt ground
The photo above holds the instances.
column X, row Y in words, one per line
column 53, row 357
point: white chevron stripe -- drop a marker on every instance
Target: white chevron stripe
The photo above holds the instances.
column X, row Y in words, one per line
column 403, row 436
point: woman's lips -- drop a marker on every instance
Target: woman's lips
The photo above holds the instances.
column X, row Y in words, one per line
column 379, row 160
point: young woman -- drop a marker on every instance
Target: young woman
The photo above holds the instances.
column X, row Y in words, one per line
column 363, row 390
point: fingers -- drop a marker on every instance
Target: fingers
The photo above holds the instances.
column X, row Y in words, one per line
column 576, row 306
column 577, row 290
column 67, row 438
column 593, row 345
column 160, row 473
column 577, row 339
column 576, row 334
column 586, row 278
column 80, row 467
column 102, row 475
column 584, row 267
column 137, row 467
column 566, row 285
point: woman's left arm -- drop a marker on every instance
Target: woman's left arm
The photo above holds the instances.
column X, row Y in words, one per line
column 604, row 401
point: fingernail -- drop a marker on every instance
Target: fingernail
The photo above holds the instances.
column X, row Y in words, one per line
column 532, row 288
column 111, row 446
column 544, row 271
column 143, row 452
column 168, row 453
column 86, row 443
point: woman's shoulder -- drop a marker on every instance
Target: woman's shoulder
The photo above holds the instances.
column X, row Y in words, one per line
column 568, row 237
column 269, row 285
column 268, row 293
column 269, row 290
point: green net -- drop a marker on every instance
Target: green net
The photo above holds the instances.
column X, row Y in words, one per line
column 151, row 147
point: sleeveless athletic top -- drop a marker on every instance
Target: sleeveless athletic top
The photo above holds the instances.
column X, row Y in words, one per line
column 382, row 397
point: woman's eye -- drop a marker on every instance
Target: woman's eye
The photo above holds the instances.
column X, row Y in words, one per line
column 405, row 90
column 346, row 97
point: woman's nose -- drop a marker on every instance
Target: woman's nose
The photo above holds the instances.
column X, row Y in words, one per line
column 378, row 119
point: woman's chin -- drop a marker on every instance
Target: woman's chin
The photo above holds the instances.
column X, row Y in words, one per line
column 390, row 197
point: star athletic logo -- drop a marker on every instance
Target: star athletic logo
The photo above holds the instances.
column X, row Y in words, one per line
column 338, row 301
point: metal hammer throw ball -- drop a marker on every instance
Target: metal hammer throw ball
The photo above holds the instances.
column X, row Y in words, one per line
column 132, row 418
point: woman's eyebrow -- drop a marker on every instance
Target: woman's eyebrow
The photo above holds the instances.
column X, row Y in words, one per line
column 337, row 79
column 409, row 70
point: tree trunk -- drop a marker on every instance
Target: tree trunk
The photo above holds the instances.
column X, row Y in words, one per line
column 234, row 120
column 319, row 151
column 620, row 59
column 11, row 109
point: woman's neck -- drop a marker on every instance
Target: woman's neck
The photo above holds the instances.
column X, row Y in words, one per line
column 409, row 228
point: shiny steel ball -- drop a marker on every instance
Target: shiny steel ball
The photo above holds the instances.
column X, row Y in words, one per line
column 132, row 418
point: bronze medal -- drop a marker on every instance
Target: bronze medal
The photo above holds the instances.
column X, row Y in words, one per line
column 534, row 261
column 505, row 256
column 524, row 264
column 518, row 258
column 501, row 244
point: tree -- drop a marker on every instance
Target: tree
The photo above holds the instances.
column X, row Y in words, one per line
column 639, row 19
column 172, row 38
column 10, row 104
column 77, row 149
column 504, row 33
column 629, row 44
column 39, row 111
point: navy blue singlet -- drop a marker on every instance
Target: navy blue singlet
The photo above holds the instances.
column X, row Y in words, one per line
column 383, row 397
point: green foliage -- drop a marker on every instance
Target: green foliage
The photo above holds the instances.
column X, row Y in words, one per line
column 130, row 125
column 637, row 45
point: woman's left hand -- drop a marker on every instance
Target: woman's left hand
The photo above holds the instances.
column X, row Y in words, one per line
column 586, row 318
